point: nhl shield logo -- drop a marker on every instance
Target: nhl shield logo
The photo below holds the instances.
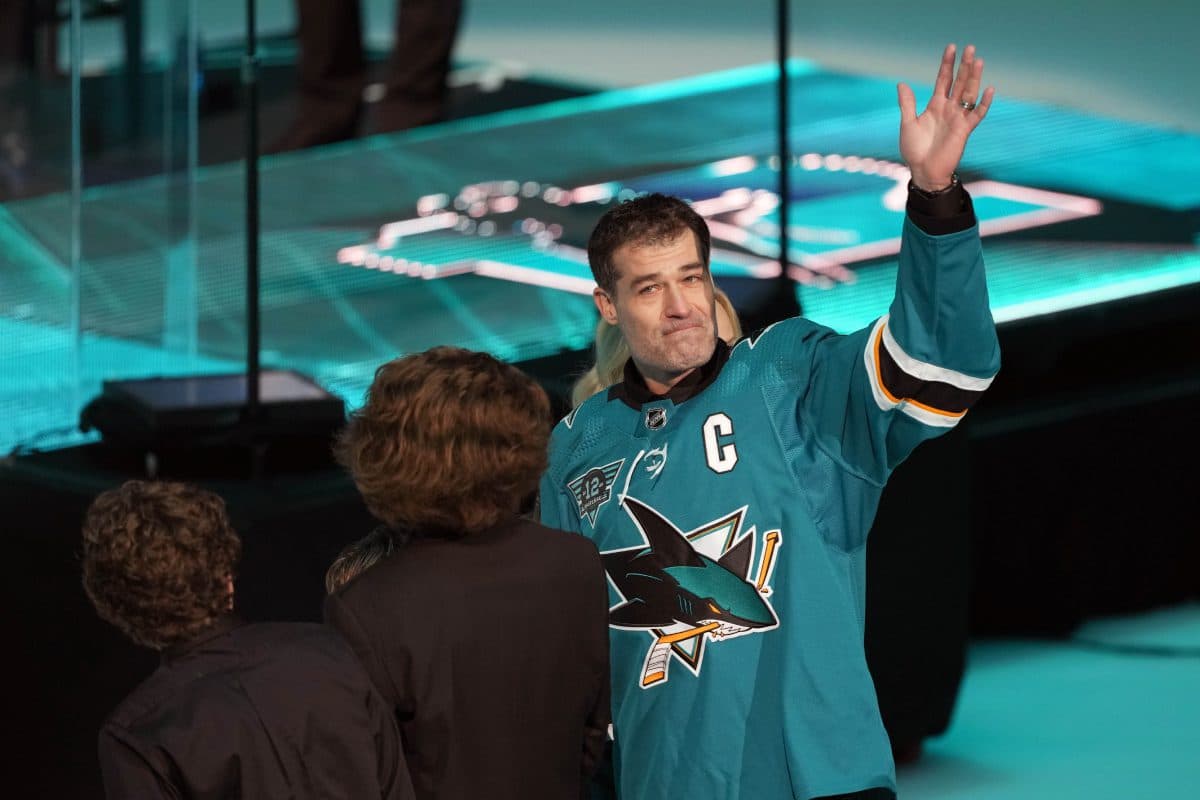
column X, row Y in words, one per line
column 593, row 489
column 656, row 418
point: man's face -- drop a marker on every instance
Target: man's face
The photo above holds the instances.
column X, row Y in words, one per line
column 663, row 303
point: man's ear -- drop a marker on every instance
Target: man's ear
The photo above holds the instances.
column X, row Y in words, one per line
column 604, row 304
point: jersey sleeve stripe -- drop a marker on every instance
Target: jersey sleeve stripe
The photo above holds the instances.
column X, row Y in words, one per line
column 929, row 372
column 941, row 403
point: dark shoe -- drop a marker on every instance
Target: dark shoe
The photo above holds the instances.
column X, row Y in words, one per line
column 316, row 126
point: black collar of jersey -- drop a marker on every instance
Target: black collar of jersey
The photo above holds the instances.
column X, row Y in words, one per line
column 222, row 626
column 634, row 392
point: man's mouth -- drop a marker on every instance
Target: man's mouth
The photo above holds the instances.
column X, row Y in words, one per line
column 683, row 326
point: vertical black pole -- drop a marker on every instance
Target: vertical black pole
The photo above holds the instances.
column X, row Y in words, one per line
column 133, row 69
column 250, row 83
column 76, row 297
column 783, row 29
column 782, row 301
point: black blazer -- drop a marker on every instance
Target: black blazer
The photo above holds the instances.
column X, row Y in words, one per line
column 494, row 650
column 267, row 710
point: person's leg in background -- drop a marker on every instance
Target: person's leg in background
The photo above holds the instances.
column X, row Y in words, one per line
column 16, row 37
column 419, row 64
column 331, row 74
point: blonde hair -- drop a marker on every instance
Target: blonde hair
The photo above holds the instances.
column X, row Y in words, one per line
column 360, row 556
column 612, row 351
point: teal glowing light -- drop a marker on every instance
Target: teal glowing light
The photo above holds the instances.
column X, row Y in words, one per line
column 1024, row 280
column 338, row 322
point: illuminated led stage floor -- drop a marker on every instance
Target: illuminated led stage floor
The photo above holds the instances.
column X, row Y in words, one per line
column 472, row 232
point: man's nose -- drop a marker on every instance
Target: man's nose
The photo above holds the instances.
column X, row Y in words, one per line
column 676, row 305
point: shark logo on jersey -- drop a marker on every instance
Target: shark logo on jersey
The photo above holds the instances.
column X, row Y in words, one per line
column 593, row 489
column 689, row 589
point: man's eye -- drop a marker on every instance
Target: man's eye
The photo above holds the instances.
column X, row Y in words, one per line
column 647, row 289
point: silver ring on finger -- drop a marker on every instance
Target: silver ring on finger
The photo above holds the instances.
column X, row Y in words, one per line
column 967, row 105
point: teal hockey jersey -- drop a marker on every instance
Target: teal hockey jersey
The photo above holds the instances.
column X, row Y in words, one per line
column 732, row 518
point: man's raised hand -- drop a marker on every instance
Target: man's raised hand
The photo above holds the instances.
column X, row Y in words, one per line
column 933, row 141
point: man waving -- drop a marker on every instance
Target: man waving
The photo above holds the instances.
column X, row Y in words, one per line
column 730, row 489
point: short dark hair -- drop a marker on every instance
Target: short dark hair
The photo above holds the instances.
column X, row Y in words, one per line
column 449, row 441
column 648, row 220
column 157, row 560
